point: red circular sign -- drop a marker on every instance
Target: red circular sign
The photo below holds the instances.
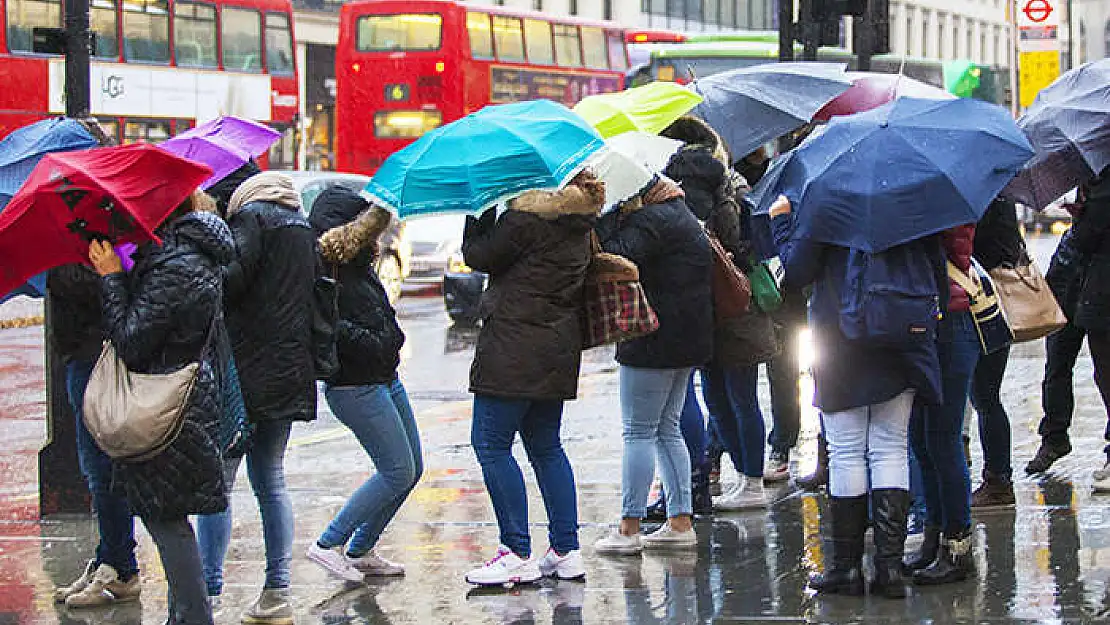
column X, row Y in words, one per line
column 1037, row 10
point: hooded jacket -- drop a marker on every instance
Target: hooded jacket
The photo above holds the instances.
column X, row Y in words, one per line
column 78, row 331
column 159, row 317
column 269, row 301
column 1092, row 242
column 368, row 336
column 536, row 255
column 225, row 187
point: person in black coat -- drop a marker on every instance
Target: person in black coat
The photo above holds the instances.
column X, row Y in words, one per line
column 662, row 237
column 365, row 393
column 163, row 315
column 1080, row 277
column 269, row 288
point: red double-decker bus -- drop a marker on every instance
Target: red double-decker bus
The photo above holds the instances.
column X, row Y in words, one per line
column 406, row 67
column 159, row 65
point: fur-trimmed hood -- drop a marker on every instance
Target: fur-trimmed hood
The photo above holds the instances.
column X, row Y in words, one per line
column 572, row 200
column 347, row 224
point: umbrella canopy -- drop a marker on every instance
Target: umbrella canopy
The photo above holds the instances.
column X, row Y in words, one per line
column 900, row 172
column 753, row 105
column 961, row 78
column 871, row 90
column 650, row 151
column 485, row 158
column 623, row 176
column 223, row 144
column 22, row 149
column 649, row 108
column 120, row 194
column 1069, row 127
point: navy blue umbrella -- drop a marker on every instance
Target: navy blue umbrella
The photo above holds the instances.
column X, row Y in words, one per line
column 900, row 172
column 752, row 105
column 1069, row 127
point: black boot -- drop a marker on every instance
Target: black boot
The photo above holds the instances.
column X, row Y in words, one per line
column 889, row 508
column 703, row 500
column 926, row 555
column 820, row 476
column 844, row 569
column 657, row 510
column 955, row 562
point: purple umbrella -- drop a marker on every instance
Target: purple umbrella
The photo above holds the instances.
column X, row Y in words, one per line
column 224, row 144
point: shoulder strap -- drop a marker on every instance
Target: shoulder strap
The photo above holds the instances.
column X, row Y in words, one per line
column 969, row 283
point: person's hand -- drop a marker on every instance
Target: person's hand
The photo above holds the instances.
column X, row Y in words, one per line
column 104, row 258
column 780, row 207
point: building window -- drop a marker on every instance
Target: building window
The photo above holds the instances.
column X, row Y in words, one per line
column 103, row 20
column 194, row 30
column 537, row 37
column 279, row 45
column 146, row 31
column 607, row 10
column 728, row 13
column 537, row 5
column 574, row 7
column 26, row 15
column 712, row 11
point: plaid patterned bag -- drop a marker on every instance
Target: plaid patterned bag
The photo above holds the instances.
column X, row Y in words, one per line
column 615, row 307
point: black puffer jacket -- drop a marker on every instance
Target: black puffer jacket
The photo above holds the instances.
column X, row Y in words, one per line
column 269, row 291
column 1092, row 241
column 78, row 330
column 159, row 317
column 368, row 336
column 536, row 255
column 671, row 250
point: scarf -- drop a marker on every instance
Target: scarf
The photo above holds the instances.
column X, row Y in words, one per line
column 664, row 190
column 267, row 186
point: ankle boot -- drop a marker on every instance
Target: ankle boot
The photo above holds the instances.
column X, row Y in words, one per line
column 844, row 568
column 926, row 555
column 955, row 561
column 820, row 476
column 889, row 508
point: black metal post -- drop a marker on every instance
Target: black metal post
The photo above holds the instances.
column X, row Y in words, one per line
column 61, row 486
column 786, row 30
column 863, row 36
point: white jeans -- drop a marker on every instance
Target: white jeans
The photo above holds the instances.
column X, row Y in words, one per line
column 868, row 447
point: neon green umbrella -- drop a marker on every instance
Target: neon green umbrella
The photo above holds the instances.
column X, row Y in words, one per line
column 650, row 108
column 961, row 78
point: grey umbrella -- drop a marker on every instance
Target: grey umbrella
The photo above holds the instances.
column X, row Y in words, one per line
column 1069, row 127
column 753, row 105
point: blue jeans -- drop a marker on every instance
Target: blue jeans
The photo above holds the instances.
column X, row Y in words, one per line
column 496, row 423
column 732, row 396
column 994, row 423
column 651, row 408
column 694, row 431
column 113, row 514
column 266, row 470
column 936, row 432
column 381, row 418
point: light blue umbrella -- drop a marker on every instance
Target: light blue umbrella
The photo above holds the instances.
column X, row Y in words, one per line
column 20, row 152
column 485, row 158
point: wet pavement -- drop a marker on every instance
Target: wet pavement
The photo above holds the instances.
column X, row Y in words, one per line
column 1048, row 561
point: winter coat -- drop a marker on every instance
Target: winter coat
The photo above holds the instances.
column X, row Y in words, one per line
column 77, row 328
column 998, row 241
column 672, row 252
column 368, row 336
column 958, row 245
column 1066, row 273
column 269, row 291
column 159, row 317
column 1092, row 241
column 849, row 374
column 226, row 186
column 536, row 255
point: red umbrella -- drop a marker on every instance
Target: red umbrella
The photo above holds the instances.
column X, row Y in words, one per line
column 119, row 194
column 871, row 90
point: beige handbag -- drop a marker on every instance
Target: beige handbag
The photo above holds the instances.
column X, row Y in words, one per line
column 133, row 417
column 1030, row 306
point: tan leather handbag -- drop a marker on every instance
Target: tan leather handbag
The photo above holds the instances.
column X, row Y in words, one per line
column 133, row 417
column 1030, row 306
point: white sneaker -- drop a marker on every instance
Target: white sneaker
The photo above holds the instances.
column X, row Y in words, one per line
column 568, row 567
column 334, row 562
column 373, row 565
column 617, row 544
column 505, row 569
column 1102, row 478
column 667, row 538
column 778, row 467
column 748, row 495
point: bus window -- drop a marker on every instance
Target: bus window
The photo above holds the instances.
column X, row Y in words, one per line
column 593, row 44
column 111, row 129
column 194, row 30
column 136, row 131
column 568, row 48
column 419, row 32
column 26, row 15
column 508, row 39
column 618, row 53
column 481, row 38
column 242, row 38
column 102, row 20
column 279, row 45
column 146, row 31
column 537, row 34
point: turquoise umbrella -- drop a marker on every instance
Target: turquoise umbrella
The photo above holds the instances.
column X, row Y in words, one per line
column 485, row 158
